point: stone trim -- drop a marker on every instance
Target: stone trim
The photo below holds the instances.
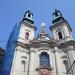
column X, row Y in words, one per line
column 69, row 43
column 60, row 23
column 43, row 67
column 29, row 24
column 27, row 46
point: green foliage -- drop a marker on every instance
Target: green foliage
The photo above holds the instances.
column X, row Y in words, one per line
column 1, row 55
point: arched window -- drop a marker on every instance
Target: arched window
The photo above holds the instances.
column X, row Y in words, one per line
column 60, row 35
column 66, row 65
column 44, row 59
column 29, row 15
column 23, row 65
column 26, row 36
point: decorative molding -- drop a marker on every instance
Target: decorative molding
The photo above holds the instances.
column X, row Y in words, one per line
column 29, row 24
column 27, row 30
column 26, row 46
column 43, row 67
column 24, row 57
column 60, row 23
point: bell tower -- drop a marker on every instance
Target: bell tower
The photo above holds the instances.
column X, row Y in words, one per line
column 61, row 29
column 27, row 28
column 28, row 16
column 21, row 55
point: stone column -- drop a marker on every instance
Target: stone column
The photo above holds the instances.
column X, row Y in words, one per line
column 57, row 62
column 32, row 63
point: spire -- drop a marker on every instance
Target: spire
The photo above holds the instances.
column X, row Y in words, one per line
column 28, row 16
column 57, row 16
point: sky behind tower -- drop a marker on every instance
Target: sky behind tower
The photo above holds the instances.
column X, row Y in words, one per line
column 12, row 11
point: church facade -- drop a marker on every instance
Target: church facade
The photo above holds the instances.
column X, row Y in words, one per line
column 44, row 55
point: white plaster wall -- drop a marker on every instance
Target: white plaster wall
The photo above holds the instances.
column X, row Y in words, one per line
column 23, row 30
column 59, row 62
column 55, row 34
column 63, row 69
column 66, row 30
column 66, row 33
column 17, row 66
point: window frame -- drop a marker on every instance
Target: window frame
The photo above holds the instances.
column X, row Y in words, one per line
column 27, row 36
column 66, row 64
column 60, row 35
column 44, row 59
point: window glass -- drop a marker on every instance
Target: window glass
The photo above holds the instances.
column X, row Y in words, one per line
column 44, row 59
column 60, row 35
column 23, row 65
column 29, row 15
column 66, row 65
column 26, row 36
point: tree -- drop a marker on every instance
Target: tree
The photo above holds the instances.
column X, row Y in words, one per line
column 1, row 56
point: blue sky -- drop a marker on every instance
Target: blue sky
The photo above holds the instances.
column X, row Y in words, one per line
column 12, row 11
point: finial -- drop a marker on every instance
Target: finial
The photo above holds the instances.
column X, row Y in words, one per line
column 43, row 27
column 28, row 16
column 57, row 16
column 56, row 10
column 43, row 24
column 28, row 11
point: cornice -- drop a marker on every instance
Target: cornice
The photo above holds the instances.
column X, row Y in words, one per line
column 66, row 44
column 60, row 23
column 27, row 46
column 29, row 24
column 48, row 67
column 42, row 43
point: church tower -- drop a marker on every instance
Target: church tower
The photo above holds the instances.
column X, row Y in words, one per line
column 64, row 51
column 21, row 56
column 61, row 29
column 27, row 28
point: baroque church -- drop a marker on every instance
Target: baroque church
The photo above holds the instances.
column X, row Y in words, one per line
column 44, row 55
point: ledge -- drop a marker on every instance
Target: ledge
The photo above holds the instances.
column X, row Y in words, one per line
column 44, row 67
